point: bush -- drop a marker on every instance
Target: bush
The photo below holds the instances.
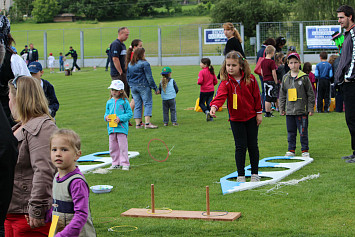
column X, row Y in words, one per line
column 44, row 10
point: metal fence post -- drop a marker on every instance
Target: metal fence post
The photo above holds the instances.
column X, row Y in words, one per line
column 301, row 42
column 242, row 35
column 257, row 38
column 45, row 49
column 200, row 50
column 82, row 48
column 160, row 61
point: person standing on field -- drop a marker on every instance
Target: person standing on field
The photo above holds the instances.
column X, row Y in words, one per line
column 118, row 53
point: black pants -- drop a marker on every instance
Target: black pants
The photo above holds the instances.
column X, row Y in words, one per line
column 349, row 98
column 206, row 97
column 74, row 64
column 323, row 92
column 246, row 137
column 107, row 62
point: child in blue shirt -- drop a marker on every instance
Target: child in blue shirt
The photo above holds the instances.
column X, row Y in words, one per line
column 168, row 90
column 118, row 113
column 323, row 74
column 61, row 62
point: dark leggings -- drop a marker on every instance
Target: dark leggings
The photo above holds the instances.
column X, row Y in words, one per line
column 246, row 137
column 206, row 98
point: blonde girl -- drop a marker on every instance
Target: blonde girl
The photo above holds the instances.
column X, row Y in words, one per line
column 70, row 188
column 241, row 89
column 234, row 40
column 118, row 113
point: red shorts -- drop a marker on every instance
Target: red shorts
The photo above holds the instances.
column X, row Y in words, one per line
column 16, row 226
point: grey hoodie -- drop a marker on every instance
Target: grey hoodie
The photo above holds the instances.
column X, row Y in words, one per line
column 305, row 95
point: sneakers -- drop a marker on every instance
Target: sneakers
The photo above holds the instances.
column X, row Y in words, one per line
column 290, row 153
column 151, row 126
column 165, row 124
column 352, row 156
column 139, row 126
column 241, row 179
column 208, row 116
column 269, row 115
column 114, row 167
column 305, row 154
column 175, row 124
column 125, row 167
column 255, row 178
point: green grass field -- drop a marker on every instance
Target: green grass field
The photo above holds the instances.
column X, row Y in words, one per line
column 179, row 36
column 203, row 153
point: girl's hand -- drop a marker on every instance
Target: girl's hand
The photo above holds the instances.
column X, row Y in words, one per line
column 282, row 113
column 107, row 119
column 117, row 120
column 310, row 113
column 213, row 111
column 259, row 119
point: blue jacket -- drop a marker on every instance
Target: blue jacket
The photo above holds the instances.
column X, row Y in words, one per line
column 123, row 111
column 170, row 91
column 140, row 74
column 324, row 71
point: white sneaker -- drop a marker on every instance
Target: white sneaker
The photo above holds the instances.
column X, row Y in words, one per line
column 114, row 167
column 290, row 153
column 255, row 178
column 241, row 179
column 125, row 167
column 305, row 154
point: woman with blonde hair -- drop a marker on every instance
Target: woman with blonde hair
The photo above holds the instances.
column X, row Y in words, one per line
column 234, row 40
column 34, row 172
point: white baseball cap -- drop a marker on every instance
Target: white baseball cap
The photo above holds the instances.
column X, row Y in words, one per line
column 116, row 85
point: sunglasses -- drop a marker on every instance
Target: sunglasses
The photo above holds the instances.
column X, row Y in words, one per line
column 14, row 81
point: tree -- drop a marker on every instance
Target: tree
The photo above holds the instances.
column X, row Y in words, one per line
column 23, row 7
column 44, row 10
column 249, row 12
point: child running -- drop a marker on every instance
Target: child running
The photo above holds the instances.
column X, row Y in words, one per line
column 168, row 90
column 207, row 80
column 241, row 89
column 70, row 189
column 296, row 102
column 118, row 113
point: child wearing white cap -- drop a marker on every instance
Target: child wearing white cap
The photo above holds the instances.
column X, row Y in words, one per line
column 118, row 113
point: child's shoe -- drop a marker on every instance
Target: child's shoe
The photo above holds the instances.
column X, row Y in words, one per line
column 125, row 167
column 151, row 126
column 208, row 116
column 175, row 124
column 241, row 179
column 290, row 153
column 114, row 167
column 165, row 124
column 139, row 126
column 255, row 178
column 305, row 154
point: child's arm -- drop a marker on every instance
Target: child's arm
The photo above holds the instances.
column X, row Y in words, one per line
column 175, row 87
column 200, row 78
column 215, row 82
column 107, row 113
column 53, row 102
column 127, row 115
column 218, row 101
column 257, row 101
column 80, row 194
column 310, row 95
column 274, row 75
column 282, row 97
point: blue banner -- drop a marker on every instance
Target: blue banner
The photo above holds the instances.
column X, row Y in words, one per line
column 215, row 36
column 320, row 37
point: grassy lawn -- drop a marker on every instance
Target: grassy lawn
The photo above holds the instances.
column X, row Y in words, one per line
column 97, row 37
column 203, row 153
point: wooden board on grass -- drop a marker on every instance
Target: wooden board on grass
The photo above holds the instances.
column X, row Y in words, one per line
column 176, row 214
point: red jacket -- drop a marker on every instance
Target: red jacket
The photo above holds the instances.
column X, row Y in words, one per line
column 206, row 80
column 248, row 98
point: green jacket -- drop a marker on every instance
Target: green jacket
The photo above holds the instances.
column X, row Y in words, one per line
column 305, row 96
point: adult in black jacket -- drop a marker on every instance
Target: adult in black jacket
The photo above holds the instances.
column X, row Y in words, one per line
column 234, row 39
column 32, row 55
column 74, row 55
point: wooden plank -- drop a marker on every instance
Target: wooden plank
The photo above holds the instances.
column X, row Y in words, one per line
column 176, row 214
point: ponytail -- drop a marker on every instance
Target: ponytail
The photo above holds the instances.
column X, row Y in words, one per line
column 207, row 62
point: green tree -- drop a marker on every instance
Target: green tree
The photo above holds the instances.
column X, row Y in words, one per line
column 23, row 7
column 250, row 12
column 311, row 10
column 44, row 10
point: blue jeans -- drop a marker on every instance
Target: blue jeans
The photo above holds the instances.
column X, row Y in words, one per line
column 294, row 122
column 142, row 95
column 61, row 66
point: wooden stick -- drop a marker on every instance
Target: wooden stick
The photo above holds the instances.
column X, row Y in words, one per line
column 208, row 200
column 152, row 197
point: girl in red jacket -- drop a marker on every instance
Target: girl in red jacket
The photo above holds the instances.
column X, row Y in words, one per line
column 241, row 89
column 207, row 80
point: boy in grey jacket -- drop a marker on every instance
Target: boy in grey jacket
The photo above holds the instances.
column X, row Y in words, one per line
column 296, row 102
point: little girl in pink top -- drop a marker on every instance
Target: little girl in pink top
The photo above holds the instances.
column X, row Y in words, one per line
column 207, row 80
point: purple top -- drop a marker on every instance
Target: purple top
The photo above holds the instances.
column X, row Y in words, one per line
column 80, row 194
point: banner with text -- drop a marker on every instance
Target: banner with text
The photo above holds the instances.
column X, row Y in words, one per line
column 320, row 37
column 215, row 36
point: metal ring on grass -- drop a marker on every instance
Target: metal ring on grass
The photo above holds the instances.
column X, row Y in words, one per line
column 157, row 139
column 111, row 229
column 224, row 214
column 149, row 211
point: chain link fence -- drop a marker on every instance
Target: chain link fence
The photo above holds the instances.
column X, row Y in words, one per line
column 293, row 31
column 176, row 40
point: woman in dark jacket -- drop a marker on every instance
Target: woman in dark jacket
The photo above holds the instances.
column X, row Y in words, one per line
column 234, row 40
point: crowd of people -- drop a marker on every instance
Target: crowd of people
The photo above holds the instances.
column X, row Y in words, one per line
column 39, row 176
